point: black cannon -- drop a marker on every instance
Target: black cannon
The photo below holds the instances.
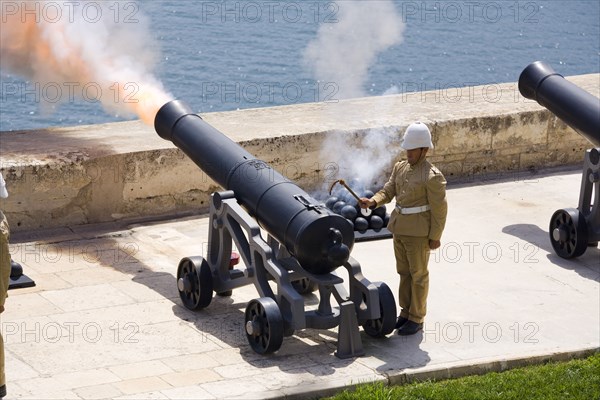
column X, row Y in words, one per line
column 571, row 230
column 306, row 243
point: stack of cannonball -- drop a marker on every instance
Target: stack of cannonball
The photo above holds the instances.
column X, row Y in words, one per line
column 343, row 203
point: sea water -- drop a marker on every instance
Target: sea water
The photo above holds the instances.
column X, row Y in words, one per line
column 228, row 55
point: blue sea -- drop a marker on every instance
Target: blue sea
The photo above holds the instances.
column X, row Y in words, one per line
column 227, row 55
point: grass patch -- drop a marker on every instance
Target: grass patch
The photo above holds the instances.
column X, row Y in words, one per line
column 575, row 379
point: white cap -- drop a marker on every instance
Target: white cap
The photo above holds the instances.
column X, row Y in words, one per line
column 3, row 192
column 417, row 135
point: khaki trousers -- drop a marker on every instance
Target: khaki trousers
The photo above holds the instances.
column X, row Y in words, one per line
column 4, row 282
column 412, row 257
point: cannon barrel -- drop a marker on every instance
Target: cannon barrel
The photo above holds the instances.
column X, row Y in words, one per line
column 320, row 240
column 573, row 105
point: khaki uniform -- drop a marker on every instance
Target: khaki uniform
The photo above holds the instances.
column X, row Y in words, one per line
column 4, row 282
column 414, row 186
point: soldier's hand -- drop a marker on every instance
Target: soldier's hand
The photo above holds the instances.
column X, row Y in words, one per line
column 366, row 203
column 1, row 309
column 434, row 244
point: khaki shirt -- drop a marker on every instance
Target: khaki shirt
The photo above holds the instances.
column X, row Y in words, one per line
column 4, row 259
column 414, row 186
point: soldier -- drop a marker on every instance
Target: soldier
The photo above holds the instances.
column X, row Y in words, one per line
column 4, row 279
column 416, row 223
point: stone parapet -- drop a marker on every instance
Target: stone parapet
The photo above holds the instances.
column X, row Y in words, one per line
column 88, row 174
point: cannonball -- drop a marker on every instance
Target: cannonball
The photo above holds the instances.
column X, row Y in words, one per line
column 361, row 224
column 351, row 201
column 386, row 220
column 380, row 212
column 342, row 195
column 356, row 183
column 376, row 222
column 368, row 194
column 331, row 201
column 337, row 207
column 349, row 212
column 16, row 270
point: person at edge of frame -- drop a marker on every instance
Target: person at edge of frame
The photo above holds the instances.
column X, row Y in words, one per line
column 4, row 279
column 417, row 223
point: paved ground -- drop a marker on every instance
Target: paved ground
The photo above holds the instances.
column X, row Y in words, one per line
column 105, row 320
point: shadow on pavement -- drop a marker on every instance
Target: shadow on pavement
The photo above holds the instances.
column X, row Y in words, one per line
column 307, row 351
column 587, row 265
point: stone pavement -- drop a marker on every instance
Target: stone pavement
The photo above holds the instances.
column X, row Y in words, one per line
column 105, row 319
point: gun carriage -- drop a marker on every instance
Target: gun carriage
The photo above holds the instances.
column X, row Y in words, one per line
column 572, row 230
column 306, row 243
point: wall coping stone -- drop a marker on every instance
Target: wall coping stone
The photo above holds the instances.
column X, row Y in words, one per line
column 486, row 126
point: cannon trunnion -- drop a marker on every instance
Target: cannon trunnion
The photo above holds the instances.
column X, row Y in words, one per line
column 572, row 230
column 306, row 243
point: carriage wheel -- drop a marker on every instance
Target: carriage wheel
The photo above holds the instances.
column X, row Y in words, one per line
column 304, row 286
column 387, row 306
column 264, row 325
column 568, row 233
column 194, row 282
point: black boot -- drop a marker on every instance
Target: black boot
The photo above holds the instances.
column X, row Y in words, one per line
column 2, row 391
column 410, row 328
column 401, row 321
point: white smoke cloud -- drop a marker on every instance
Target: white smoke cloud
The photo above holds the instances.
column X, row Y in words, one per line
column 57, row 43
column 343, row 51
column 363, row 158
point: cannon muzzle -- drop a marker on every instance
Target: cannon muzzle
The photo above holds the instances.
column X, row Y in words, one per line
column 573, row 105
column 571, row 230
column 319, row 239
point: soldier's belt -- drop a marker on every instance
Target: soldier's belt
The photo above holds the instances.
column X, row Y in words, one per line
column 412, row 210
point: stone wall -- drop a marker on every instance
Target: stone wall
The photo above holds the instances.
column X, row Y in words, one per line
column 124, row 171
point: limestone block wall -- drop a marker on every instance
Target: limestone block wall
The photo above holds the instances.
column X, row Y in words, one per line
column 124, row 171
